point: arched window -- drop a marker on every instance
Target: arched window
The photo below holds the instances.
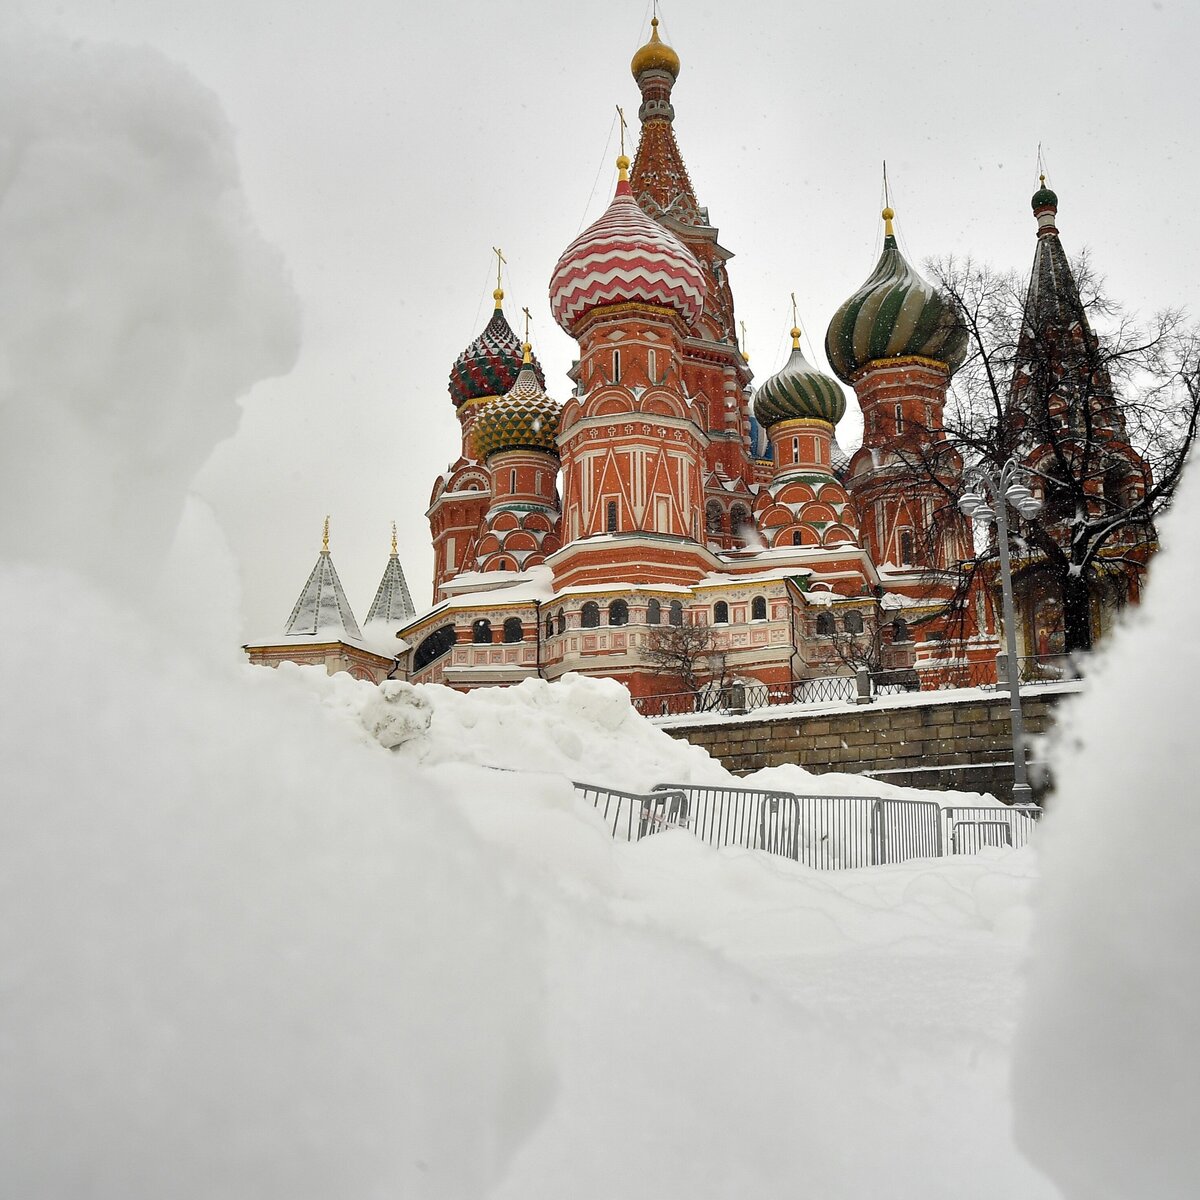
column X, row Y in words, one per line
column 561, row 620
column 589, row 615
column 825, row 624
column 549, row 626
column 616, row 366
column 610, row 513
column 512, row 480
column 513, row 632
column 652, row 366
column 654, row 613
column 434, row 646
column 906, row 546
column 618, row 613
column 676, row 613
column 720, row 613
column 739, row 520
column 758, row 608
column 712, row 517
column 795, row 449
column 899, row 630
column 481, row 632
column 853, row 622
column 502, row 565
column 797, row 538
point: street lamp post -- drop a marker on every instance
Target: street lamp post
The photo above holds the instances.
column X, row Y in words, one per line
column 1002, row 490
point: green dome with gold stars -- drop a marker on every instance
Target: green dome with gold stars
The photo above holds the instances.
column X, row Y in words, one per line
column 524, row 418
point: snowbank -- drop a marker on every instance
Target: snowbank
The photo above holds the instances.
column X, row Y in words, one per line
column 1107, row 1090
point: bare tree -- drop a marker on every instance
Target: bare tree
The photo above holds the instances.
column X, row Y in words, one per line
column 1104, row 423
column 687, row 653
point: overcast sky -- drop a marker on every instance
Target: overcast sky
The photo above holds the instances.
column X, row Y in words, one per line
column 387, row 146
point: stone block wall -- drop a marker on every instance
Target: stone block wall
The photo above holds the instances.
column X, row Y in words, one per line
column 958, row 744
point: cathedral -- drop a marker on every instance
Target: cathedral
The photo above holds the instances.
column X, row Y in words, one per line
column 666, row 495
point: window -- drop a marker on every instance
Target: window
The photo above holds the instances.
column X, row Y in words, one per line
column 481, row 632
column 712, row 517
column 549, row 626
column 676, row 614
column 906, row 546
column 513, row 631
column 502, row 565
column 899, row 630
column 758, row 608
column 616, row 366
column 589, row 616
column 654, row 613
column 561, row 621
column 739, row 519
column 720, row 613
column 825, row 624
column 618, row 613
column 652, row 366
column 795, row 449
column 434, row 646
column 852, row 622
column 899, row 418
column 797, row 538
column 512, row 480
column 610, row 516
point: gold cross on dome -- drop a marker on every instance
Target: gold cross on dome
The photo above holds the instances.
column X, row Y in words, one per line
column 621, row 116
column 527, row 320
column 500, row 262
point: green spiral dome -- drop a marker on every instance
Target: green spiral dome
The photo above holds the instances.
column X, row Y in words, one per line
column 895, row 314
column 799, row 390
column 525, row 418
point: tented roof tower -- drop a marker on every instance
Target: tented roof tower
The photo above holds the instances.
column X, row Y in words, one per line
column 392, row 604
column 322, row 608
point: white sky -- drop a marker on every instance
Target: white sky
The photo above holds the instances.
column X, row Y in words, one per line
column 386, row 147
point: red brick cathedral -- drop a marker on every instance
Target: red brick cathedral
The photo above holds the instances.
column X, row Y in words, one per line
column 665, row 492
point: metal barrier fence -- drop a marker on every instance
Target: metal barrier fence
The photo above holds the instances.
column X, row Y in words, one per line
column 741, row 697
column 823, row 832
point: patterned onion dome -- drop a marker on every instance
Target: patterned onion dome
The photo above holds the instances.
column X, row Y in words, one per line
column 525, row 418
column 490, row 364
column 799, row 390
column 894, row 314
column 1044, row 197
column 655, row 55
column 625, row 257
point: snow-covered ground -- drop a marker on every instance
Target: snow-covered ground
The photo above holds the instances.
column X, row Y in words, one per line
column 268, row 934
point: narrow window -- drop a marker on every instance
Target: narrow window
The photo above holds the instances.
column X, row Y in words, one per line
column 589, row 615
column 899, row 419
column 513, row 632
column 853, row 621
column 676, row 615
column 616, row 366
column 712, row 517
column 797, row 538
column 720, row 613
column 758, row 608
column 652, row 366
column 906, row 546
column 481, row 632
column 795, row 449
column 654, row 613
column 610, row 513
column 825, row 624
column 502, row 565
column 618, row 613
column 549, row 626
column 512, row 480
column 561, row 618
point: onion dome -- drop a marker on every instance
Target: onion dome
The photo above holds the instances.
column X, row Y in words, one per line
column 490, row 364
column 895, row 314
column 799, row 390
column 655, row 55
column 525, row 418
column 1044, row 197
column 625, row 257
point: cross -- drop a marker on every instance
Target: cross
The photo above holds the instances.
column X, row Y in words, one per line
column 795, row 319
column 621, row 115
column 887, row 203
column 500, row 261
column 393, row 537
column 1041, row 166
column 527, row 320
column 743, row 325
column 325, row 538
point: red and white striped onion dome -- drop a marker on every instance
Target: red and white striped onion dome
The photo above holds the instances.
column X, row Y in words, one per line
column 625, row 257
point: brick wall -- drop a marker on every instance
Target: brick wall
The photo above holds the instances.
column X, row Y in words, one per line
column 961, row 744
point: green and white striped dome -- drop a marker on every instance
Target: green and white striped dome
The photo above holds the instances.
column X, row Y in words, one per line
column 895, row 314
column 797, row 391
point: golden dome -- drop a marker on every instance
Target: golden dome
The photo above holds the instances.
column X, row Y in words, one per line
column 655, row 55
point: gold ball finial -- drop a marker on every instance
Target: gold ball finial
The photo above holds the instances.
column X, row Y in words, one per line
column 622, row 167
column 526, row 353
column 498, row 296
column 795, row 337
column 325, row 537
column 888, row 214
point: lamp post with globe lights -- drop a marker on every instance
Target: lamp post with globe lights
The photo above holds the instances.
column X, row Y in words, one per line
column 987, row 503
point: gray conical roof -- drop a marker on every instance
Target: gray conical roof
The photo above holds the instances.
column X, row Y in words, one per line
column 323, row 608
column 392, row 603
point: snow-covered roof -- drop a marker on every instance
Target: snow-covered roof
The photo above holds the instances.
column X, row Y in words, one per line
column 322, row 608
column 392, row 604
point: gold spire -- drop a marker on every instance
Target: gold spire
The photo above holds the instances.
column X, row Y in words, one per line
column 888, row 216
column 393, row 539
column 498, row 294
column 325, row 536
column 795, row 325
column 622, row 169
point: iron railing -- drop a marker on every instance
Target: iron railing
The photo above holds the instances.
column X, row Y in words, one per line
column 821, row 831
column 1047, row 668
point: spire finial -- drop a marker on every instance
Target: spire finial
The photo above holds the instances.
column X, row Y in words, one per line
column 795, row 325
column 325, row 536
column 745, row 356
column 526, row 347
column 394, row 539
column 888, row 212
column 622, row 158
column 498, row 294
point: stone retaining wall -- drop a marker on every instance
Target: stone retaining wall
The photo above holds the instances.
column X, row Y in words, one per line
column 962, row 744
